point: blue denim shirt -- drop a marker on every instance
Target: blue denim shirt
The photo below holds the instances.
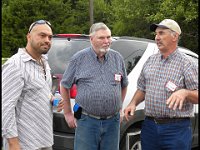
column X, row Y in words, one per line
column 98, row 87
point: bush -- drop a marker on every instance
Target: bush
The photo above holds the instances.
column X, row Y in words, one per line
column 3, row 60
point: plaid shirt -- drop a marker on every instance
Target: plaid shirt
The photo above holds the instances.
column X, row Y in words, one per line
column 157, row 72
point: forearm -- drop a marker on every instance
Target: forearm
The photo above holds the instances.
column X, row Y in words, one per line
column 124, row 90
column 137, row 98
column 65, row 93
column 192, row 96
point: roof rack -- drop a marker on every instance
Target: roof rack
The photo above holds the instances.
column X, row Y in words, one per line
column 70, row 35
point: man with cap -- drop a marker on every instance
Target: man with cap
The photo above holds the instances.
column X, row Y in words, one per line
column 169, row 85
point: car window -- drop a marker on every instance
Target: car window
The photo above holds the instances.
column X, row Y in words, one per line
column 62, row 50
column 131, row 50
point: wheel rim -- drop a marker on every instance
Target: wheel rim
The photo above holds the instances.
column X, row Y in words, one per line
column 137, row 146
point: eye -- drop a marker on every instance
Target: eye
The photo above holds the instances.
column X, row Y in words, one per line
column 101, row 38
column 109, row 37
column 50, row 37
column 42, row 35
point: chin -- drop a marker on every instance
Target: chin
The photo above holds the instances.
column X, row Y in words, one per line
column 45, row 51
column 103, row 50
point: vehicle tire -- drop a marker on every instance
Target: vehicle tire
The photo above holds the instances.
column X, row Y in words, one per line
column 134, row 143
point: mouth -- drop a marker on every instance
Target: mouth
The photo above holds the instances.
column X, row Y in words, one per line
column 159, row 44
column 45, row 46
column 106, row 45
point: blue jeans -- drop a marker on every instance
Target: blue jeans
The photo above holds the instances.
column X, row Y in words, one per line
column 170, row 136
column 94, row 134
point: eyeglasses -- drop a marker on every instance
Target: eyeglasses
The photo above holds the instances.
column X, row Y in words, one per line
column 39, row 22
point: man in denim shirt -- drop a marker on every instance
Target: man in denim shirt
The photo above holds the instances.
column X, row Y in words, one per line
column 100, row 75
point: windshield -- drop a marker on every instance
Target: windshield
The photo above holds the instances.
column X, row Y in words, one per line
column 62, row 50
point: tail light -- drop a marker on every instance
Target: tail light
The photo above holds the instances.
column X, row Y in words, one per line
column 73, row 90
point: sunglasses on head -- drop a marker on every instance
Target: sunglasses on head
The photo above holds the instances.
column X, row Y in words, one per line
column 39, row 22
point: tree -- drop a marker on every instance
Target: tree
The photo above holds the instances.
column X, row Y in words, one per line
column 124, row 17
column 19, row 14
column 133, row 18
column 185, row 12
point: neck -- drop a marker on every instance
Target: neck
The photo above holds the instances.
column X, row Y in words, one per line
column 167, row 52
column 33, row 55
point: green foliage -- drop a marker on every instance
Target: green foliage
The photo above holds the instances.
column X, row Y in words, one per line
column 133, row 18
column 19, row 14
column 3, row 60
column 185, row 12
column 124, row 17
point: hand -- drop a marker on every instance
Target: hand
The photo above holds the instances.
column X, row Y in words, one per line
column 129, row 111
column 60, row 105
column 14, row 143
column 177, row 99
column 14, row 147
column 71, row 121
column 121, row 116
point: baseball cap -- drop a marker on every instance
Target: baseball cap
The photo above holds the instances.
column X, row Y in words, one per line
column 168, row 24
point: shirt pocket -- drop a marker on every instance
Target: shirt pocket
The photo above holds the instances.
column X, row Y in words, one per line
column 115, row 77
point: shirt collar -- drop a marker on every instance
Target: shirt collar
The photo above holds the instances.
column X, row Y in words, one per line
column 171, row 56
column 94, row 55
column 26, row 57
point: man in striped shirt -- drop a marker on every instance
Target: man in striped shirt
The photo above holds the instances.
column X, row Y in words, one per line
column 101, row 79
column 27, row 113
column 169, row 85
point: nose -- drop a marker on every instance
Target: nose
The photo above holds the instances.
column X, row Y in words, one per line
column 157, row 37
column 107, row 40
column 48, row 39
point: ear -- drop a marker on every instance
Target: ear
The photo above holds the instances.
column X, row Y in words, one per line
column 175, row 37
column 91, row 37
column 28, row 36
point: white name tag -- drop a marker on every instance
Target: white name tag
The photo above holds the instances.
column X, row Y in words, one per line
column 118, row 77
column 171, row 86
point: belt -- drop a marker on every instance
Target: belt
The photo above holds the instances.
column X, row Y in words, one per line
column 167, row 120
column 99, row 117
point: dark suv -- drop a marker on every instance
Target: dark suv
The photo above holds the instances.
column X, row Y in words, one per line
column 135, row 52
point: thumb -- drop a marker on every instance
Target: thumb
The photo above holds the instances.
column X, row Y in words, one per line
column 132, row 112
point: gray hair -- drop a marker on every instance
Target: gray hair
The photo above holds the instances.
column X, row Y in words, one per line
column 173, row 33
column 96, row 27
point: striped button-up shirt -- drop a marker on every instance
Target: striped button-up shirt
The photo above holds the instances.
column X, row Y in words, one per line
column 177, row 69
column 98, row 83
column 26, row 107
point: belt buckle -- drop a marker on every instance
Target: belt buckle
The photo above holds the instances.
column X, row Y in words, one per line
column 103, row 118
